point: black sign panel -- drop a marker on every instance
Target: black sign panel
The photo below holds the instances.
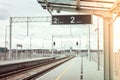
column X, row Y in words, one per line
column 71, row 19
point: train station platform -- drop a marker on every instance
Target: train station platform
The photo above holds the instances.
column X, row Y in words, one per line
column 22, row 60
column 71, row 70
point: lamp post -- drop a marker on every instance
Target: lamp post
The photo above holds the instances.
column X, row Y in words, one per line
column 6, row 40
column 10, row 39
column 31, row 43
column 5, row 37
column 98, row 44
column 97, row 29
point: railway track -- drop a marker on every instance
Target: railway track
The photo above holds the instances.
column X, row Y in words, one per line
column 29, row 70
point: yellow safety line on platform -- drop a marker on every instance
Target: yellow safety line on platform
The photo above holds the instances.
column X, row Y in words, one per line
column 64, row 71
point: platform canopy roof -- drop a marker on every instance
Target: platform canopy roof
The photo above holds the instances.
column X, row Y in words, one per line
column 96, row 7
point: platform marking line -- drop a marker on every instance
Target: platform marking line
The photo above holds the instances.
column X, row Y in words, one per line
column 64, row 71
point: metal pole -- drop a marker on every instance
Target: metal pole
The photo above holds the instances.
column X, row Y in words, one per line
column 43, row 47
column 78, row 4
column 30, row 45
column 61, row 47
column 89, row 46
column 70, row 31
column 30, row 42
column 5, row 42
column 10, row 39
column 16, row 51
column 21, row 52
column 98, row 44
column 80, row 45
column 5, row 37
column 27, row 26
column 52, row 44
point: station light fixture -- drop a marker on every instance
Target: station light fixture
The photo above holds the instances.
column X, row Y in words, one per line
column 76, row 43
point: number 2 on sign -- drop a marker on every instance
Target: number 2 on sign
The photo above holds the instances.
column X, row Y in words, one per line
column 55, row 20
column 72, row 19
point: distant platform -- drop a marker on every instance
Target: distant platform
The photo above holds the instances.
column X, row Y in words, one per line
column 21, row 60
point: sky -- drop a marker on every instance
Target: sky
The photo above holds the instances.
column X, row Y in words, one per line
column 42, row 32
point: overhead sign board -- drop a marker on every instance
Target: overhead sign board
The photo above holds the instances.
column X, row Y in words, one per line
column 71, row 19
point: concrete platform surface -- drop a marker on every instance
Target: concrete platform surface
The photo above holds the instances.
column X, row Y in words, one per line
column 71, row 70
